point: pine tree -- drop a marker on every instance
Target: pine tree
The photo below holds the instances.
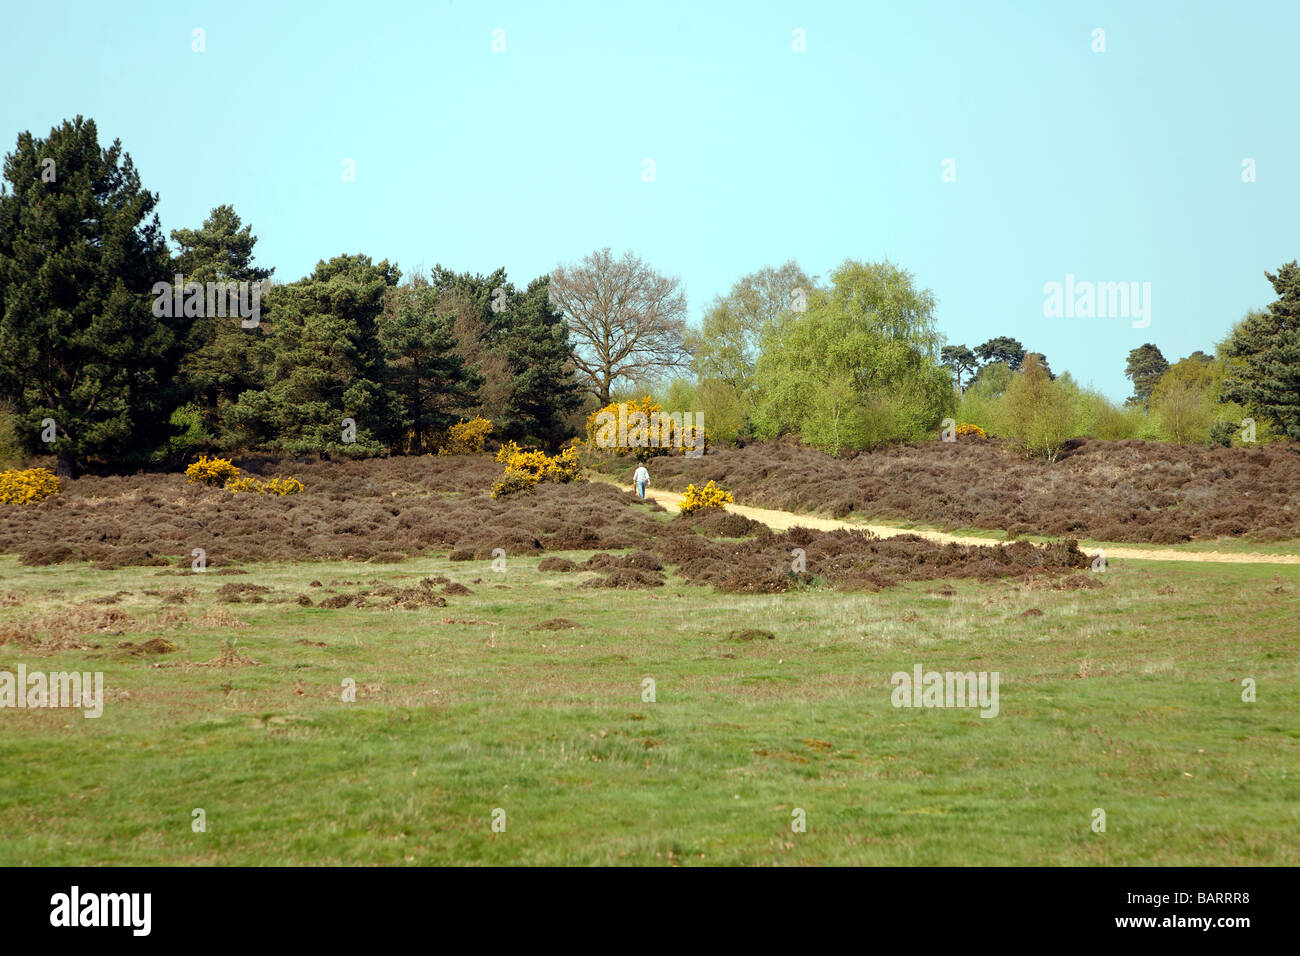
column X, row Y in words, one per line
column 1263, row 356
column 1002, row 349
column 1145, row 365
column 520, row 345
column 326, row 365
column 959, row 360
column 80, row 251
column 543, row 388
column 223, row 358
column 432, row 383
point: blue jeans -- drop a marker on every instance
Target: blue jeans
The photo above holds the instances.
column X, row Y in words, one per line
column 640, row 489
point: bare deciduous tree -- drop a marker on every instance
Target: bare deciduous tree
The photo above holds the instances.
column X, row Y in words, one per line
column 625, row 318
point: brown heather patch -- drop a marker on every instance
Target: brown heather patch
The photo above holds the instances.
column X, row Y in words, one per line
column 859, row 561
column 1109, row 491
column 382, row 510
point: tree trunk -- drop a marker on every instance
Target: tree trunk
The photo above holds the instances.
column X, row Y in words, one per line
column 66, row 467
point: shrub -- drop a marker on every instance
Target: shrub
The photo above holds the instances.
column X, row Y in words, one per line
column 710, row 496
column 513, row 481
column 214, row 472
column 466, row 437
column 648, row 431
column 241, row 484
column 275, row 486
column 966, row 429
column 281, row 486
column 27, row 487
column 526, row 469
column 564, row 467
column 1222, row 433
column 188, row 434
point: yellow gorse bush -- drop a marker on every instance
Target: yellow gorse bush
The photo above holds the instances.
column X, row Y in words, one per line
column 966, row 428
column 710, row 496
column 275, row 486
column 242, row 483
column 525, row 470
column 27, row 487
column 211, row 471
column 281, row 486
column 220, row 472
column 466, row 437
column 648, row 432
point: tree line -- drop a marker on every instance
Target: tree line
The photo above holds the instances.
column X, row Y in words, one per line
column 120, row 349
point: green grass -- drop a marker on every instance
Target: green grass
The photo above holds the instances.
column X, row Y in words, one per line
column 1126, row 698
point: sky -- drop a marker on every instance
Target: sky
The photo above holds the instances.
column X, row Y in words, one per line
column 988, row 148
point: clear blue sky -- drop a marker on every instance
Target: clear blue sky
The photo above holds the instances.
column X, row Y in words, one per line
column 1116, row 166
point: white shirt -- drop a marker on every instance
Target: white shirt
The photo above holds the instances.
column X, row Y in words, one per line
column 641, row 475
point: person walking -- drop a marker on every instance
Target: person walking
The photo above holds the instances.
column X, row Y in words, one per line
column 642, row 478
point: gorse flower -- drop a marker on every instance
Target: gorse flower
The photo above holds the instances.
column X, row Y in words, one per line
column 275, row 486
column 641, row 427
column 467, row 437
column 710, row 496
column 27, row 487
column 214, row 472
column 220, row 472
column 525, row 470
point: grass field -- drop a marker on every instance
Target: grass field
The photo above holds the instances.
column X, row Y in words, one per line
column 1126, row 698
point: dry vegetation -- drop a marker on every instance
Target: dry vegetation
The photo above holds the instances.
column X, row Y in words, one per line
column 1108, row 491
column 379, row 510
column 390, row 510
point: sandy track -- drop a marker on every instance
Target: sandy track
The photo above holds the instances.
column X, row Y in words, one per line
column 783, row 520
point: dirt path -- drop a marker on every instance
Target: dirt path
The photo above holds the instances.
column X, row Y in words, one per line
column 783, row 520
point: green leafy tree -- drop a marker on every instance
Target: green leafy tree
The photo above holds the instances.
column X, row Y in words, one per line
column 80, row 251
column 726, row 345
column 222, row 359
column 1262, row 356
column 1039, row 413
column 1144, row 367
column 1041, row 359
column 859, row 368
column 724, row 349
column 1184, row 400
column 327, row 365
